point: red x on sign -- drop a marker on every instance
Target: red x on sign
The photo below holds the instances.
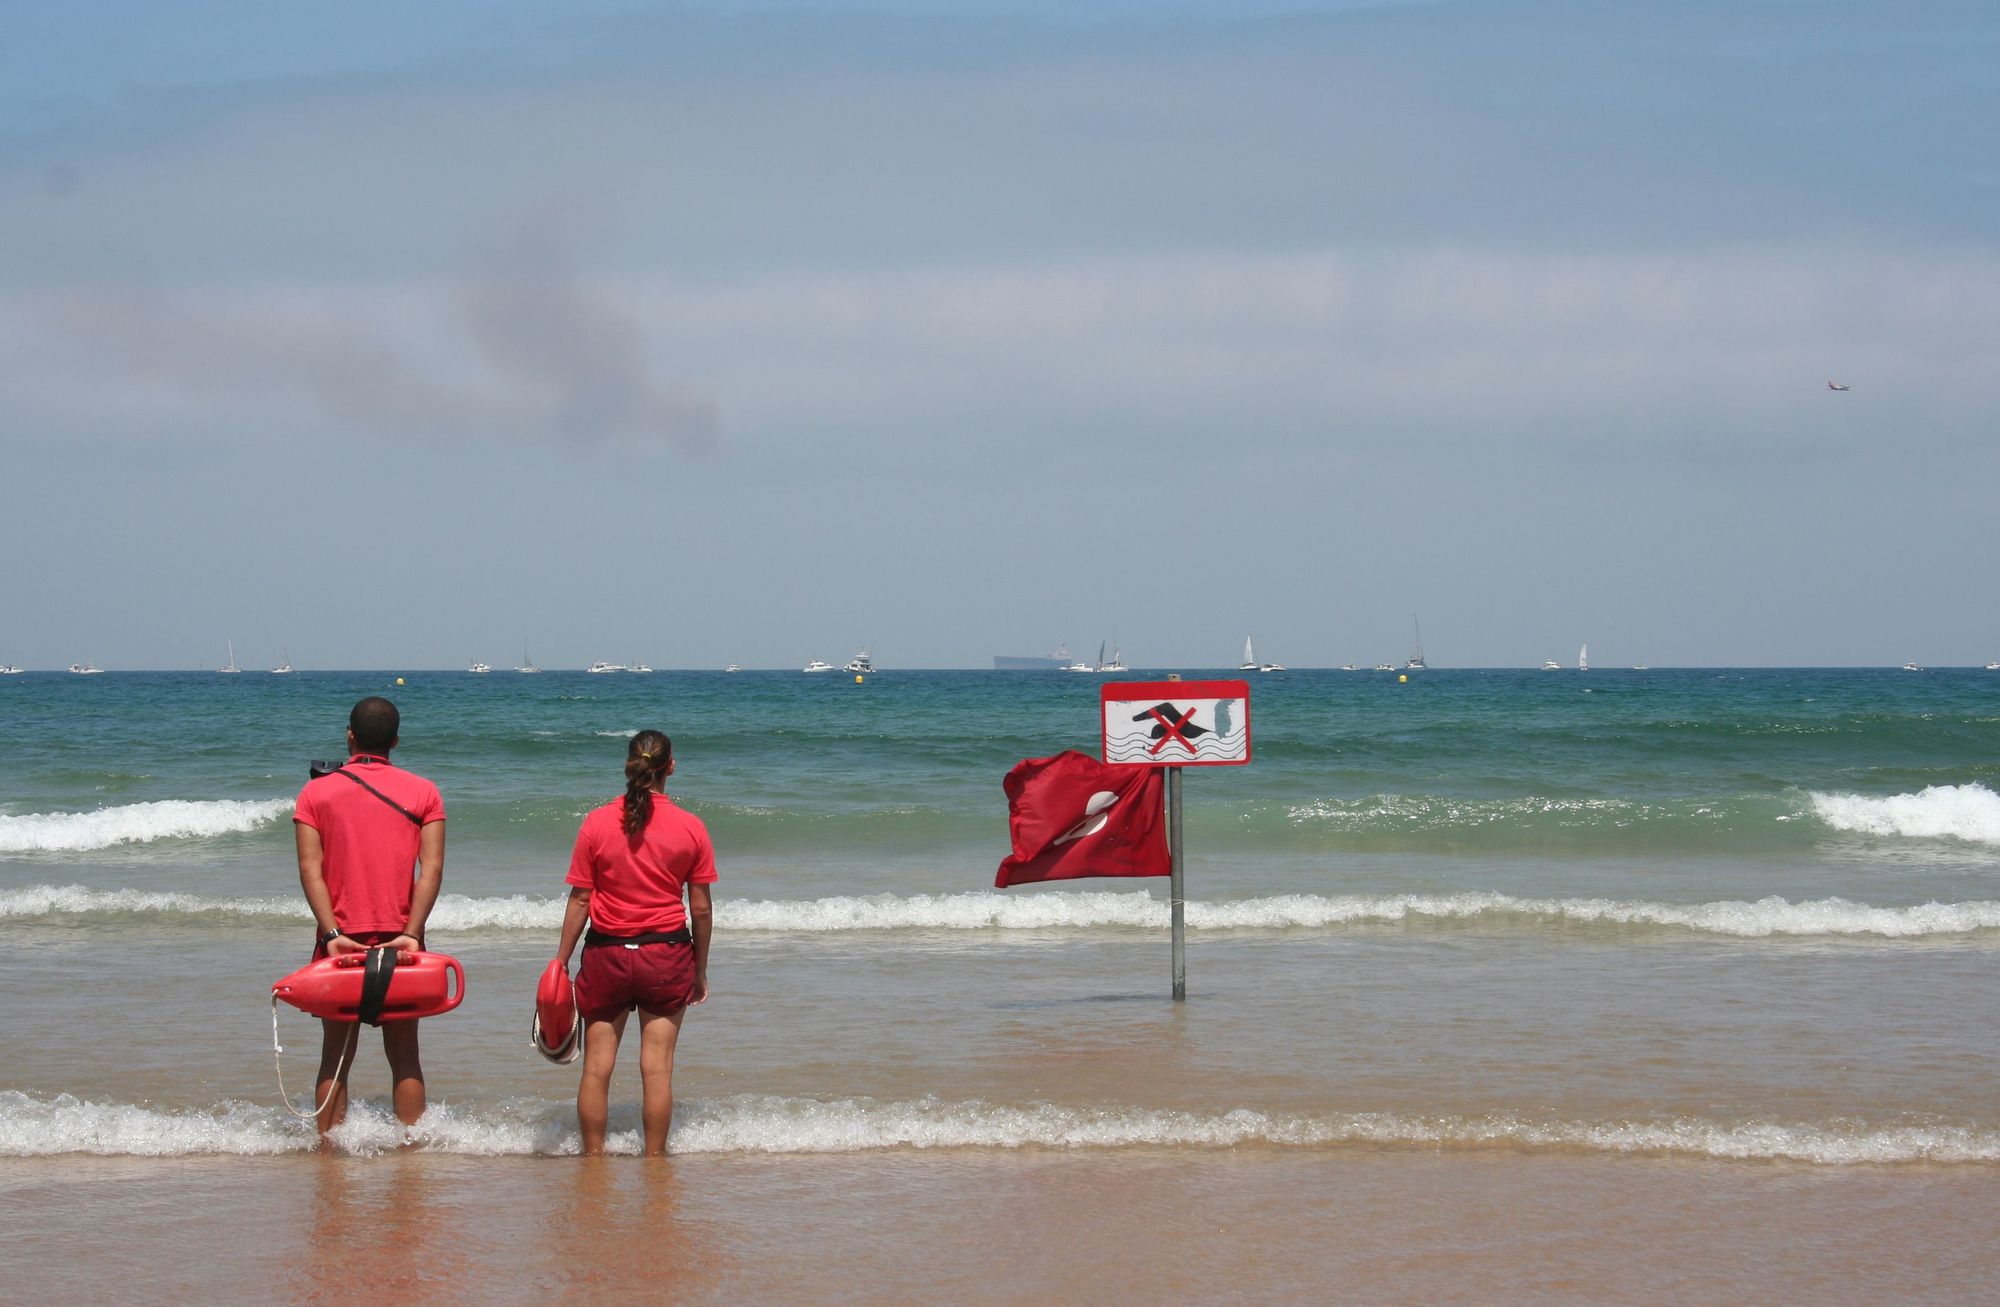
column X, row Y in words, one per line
column 1176, row 723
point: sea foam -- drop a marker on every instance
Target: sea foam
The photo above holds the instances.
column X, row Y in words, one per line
column 1962, row 812
column 32, row 1126
column 1106, row 910
column 136, row 823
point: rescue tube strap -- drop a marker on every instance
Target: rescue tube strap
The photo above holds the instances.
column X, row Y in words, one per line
column 681, row 936
column 381, row 965
column 415, row 820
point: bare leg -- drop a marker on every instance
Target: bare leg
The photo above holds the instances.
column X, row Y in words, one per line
column 335, row 1054
column 406, row 1069
column 658, row 1033
column 593, row 1091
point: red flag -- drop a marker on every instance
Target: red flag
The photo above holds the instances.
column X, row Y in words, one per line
column 1073, row 816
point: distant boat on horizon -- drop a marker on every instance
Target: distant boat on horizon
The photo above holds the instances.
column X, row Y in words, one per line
column 284, row 668
column 600, row 667
column 1583, row 659
column 527, row 667
column 1416, row 662
column 479, row 669
column 85, row 669
column 230, row 668
column 817, row 666
column 1551, row 665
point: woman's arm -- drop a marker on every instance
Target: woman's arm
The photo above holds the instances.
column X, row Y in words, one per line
column 575, row 916
column 701, row 912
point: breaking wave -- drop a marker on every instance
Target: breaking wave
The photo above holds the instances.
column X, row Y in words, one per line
column 1104, row 910
column 136, row 823
column 39, row 1127
column 1961, row 812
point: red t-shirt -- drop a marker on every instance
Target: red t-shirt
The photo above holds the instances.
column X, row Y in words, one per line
column 636, row 884
column 371, row 849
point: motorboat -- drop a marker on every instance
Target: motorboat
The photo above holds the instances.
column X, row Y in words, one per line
column 817, row 666
column 85, row 669
column 600, row 667
column 861, row 664
column 1991, row 667
column 479, row 669
column 732, row 668
column 1349, row 667
column 10, row 670
column 1551, row 665
column 637, row 667
column 1911, row 667
column 1384, row 667
column 1271, row 667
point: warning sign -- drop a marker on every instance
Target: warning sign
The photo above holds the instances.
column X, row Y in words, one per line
column 1177, row 723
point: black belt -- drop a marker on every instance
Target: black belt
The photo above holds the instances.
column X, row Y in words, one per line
column 682, row 936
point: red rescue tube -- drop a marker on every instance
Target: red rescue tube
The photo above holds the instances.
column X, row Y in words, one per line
column 557, row 1033
column 420, row 986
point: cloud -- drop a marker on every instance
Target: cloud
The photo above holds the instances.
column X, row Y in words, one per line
column 524, row 349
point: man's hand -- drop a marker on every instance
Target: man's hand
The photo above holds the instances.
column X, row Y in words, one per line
column 341, row 946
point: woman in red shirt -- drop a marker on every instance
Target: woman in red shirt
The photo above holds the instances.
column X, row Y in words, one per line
column 644, row 948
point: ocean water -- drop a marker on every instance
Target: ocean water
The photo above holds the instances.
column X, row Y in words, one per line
column 1473, row 935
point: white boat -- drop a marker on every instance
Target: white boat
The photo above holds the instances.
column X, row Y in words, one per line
column 1384, row 667
column 230, row 668
column 1991, row 667
column 1081, row 666
column 732, row 668
column 600, row 667
column 861, row 664
column 1271, row 667
column 1349, row 667
column 527, row 667
column 1249, row 663
column 1117, row 663
column 1641, row 667
column 1583, row 659
column 1911, row 667
column 85, row 669
column 9, row 669
column 1551, row 665
column 1416, row 661
column 479, row 669
column 637, row 667
column 284, row 668
column 817, row 666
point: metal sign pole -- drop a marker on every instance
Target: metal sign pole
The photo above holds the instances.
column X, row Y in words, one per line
column 1177, row 889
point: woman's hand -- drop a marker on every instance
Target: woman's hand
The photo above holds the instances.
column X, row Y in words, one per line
column 699, row 994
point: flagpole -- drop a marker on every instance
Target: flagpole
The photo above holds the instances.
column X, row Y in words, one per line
column 1176, row 892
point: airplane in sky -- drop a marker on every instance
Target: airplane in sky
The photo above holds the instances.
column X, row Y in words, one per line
column 1835, row 385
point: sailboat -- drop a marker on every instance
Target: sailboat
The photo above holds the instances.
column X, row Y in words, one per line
column 1249, row 663
column 230, row 668
column 527, row 666
column 1583, row 659
column 284, row 668
column 1117, row 663
column 1417, row 663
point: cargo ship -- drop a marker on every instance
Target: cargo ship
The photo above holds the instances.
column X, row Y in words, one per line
column 1053, row 661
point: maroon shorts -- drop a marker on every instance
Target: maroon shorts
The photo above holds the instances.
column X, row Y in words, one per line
column 369, row 937
column 615, row 978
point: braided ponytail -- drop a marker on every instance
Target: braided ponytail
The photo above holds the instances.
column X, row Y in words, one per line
column 646, row 760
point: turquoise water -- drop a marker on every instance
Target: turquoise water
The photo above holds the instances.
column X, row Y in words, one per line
column 1625, row 910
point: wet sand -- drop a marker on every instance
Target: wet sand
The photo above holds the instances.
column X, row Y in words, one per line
column 1353, row 1224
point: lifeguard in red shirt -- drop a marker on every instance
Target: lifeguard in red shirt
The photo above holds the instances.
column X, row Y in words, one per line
column 371, row 859
column 634, row 860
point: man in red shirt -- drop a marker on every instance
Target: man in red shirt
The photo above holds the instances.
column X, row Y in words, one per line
column 361, row 830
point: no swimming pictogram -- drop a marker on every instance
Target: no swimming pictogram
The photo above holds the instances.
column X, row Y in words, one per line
column 1177, row 723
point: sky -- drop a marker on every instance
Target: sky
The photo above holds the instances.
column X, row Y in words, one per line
column 380, row 335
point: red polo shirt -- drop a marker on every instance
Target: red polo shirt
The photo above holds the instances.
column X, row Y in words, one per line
column 371, row 849
column 636, row 884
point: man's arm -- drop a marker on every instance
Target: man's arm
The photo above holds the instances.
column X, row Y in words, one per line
column 574, row 918
column 312, row 879
column 430, row 878
column 701, row 913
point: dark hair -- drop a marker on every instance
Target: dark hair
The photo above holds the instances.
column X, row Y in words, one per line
column 375, row 723
column 646, row 760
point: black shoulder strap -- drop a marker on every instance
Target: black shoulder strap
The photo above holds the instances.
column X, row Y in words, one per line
column 415, row 820
column 375, row 976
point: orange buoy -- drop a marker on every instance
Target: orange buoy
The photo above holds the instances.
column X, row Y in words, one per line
column 557, row 1033
column 379, row 985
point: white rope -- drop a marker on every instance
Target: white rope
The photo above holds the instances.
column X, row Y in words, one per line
column 278, row 1059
